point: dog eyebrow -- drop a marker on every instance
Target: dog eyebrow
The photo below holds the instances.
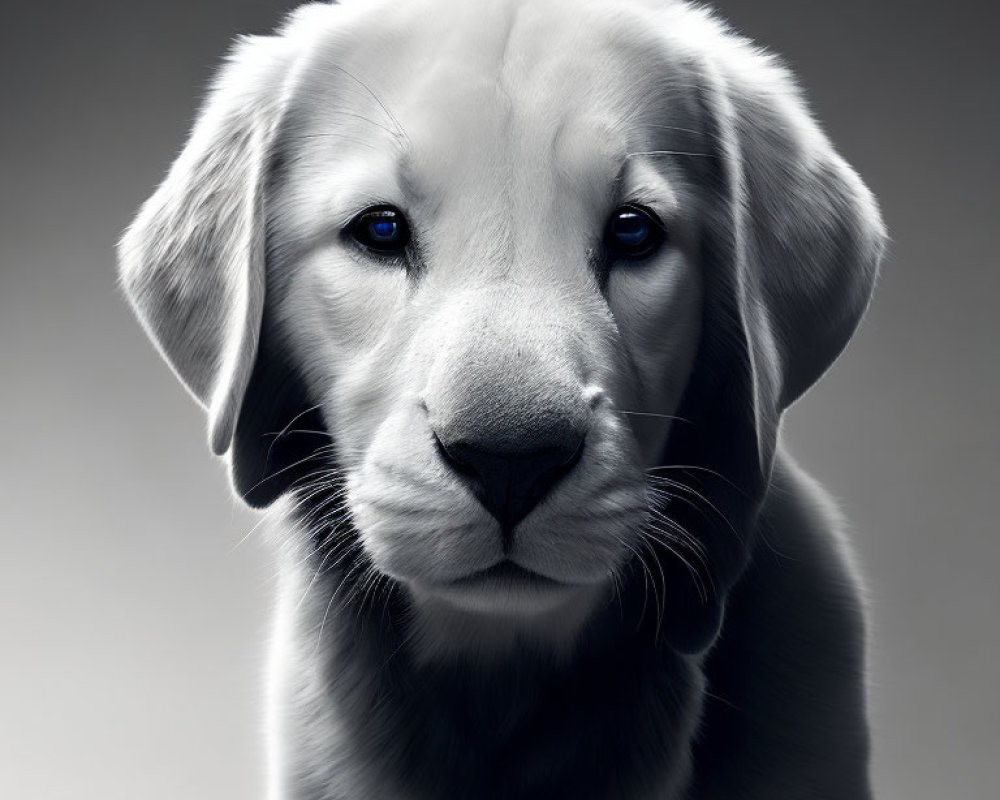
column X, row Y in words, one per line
column 639, row 181
column 620, row 177
column 406, row 170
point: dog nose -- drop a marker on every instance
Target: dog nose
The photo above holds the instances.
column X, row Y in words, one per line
column 509, row 483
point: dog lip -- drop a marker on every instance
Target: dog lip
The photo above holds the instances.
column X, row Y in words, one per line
column 506, row 573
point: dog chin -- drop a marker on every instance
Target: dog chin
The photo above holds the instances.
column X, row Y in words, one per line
column 497, row 612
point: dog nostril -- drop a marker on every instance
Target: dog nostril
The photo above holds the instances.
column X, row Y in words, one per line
column 510, row 483
column 453, row 457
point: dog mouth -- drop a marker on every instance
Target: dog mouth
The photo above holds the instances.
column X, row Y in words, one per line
column 507, row 576
column 505, row 588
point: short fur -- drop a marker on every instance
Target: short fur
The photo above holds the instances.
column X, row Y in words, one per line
column 707, row 637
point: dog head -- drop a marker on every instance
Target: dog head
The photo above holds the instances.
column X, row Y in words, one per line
column 534, row 281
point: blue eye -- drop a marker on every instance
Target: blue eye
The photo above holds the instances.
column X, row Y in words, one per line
column 634, row 232
column 382, row 229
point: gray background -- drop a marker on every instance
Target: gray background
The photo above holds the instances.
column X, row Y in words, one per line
column 133, row 621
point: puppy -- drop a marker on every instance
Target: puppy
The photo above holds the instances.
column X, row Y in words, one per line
column 498, row 306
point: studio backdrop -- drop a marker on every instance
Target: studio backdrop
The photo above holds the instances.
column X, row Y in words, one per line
column 134, row 593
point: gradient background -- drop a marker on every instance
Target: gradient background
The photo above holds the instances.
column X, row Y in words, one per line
column 133, row 621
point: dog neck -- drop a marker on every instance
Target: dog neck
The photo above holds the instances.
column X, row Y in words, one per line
column 440, row 631
column 378, row 712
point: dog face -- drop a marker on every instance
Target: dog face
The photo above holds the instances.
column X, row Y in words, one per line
column 474, row 370
column 508, row 258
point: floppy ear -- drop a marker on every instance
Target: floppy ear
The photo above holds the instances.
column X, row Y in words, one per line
column 808, row 236
column 192, row 262
column 790, row 250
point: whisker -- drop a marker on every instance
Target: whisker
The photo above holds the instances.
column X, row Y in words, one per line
column 647, row 578
column 400, row 133
column 248, row 534
column 316, row 574
column 668, row 542
column 676, row 128
column 683, row 536
column 322, row 625
column 697, row 468
column 315, row 454
column 333, row 135
column 296, row 430
column 653, row 414
column 683, row 487
column 668, row 153
column 362, row 117
column 663, row 582
column 288, row 425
